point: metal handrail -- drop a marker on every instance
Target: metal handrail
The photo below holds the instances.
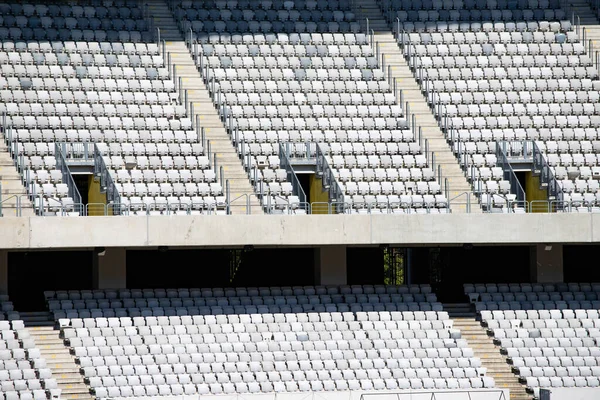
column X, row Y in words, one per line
column 245, row 195
column 61, row 164
column 431, row 394
column 547, row 178
column 328, row 180
column 17, row 205
column 509, row 173
column 107, row 184
column 292, row 177
column 468, row 194
column 80, row 151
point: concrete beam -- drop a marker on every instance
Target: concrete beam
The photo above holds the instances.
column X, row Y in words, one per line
column 547, row 263
column 293, row 230
column 3, row 272
column 110, row 268
column 330, row 265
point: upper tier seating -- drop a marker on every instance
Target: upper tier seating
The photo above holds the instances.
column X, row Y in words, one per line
column 268, row 350
column 549, row 332
column 23, row 372
column 281, row 81
column 93, row 74
column 508, row 70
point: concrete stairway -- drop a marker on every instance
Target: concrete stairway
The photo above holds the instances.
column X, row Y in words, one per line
column 60, row 361
column 589, row 22
column 12, row 190
column 198, row 94
column 418, row 105
column 489, row 354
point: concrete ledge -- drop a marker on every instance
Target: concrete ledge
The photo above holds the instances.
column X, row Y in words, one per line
column 291, row 230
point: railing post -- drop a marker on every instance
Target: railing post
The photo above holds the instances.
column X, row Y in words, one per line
column 208, row 152
column 221, row 175
column 185, row 99
column 227, row 195
column 215, row 164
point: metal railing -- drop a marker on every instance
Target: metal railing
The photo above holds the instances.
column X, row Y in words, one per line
column 509, row 173
column 330, row 184
column 302, row 152
column 82, row 152
column 284, row 163
column 424, row 394
column 67, row 177
column 542, row 169
column 107, row 184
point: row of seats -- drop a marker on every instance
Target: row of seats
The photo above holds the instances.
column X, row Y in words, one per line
column 384, row 317
column 471, row 4
column 242, row 301
column 118, row 23
column 236, row 292
column 538, row 296
column 66, row 34
column 86, row 65
column 536, row 305
column 110, row 8
column 491, row 37
column 217, row 310
column 531, row 287
column 264, row 4
column 82, row 47
column 291, row 386
column 76, row 139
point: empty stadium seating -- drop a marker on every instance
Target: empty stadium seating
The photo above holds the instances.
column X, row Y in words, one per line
column 23, row 372
column 510, row 71
column 324, row 339
column 94, row 74
column 301, row 72
column 549, row 332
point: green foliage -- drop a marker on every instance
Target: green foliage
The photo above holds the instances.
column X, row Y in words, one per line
column 393, row 266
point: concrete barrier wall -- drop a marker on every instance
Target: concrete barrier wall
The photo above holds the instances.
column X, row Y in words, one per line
column 291, row 230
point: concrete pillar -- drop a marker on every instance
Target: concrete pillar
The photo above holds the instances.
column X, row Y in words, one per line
column 330, row 265
column 3, row 272
column 110, row 268
column 546, row 263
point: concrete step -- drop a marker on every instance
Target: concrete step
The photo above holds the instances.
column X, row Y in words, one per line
column 483, row 348
column 401, row 72
column 58, row 359
column 198, row 94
